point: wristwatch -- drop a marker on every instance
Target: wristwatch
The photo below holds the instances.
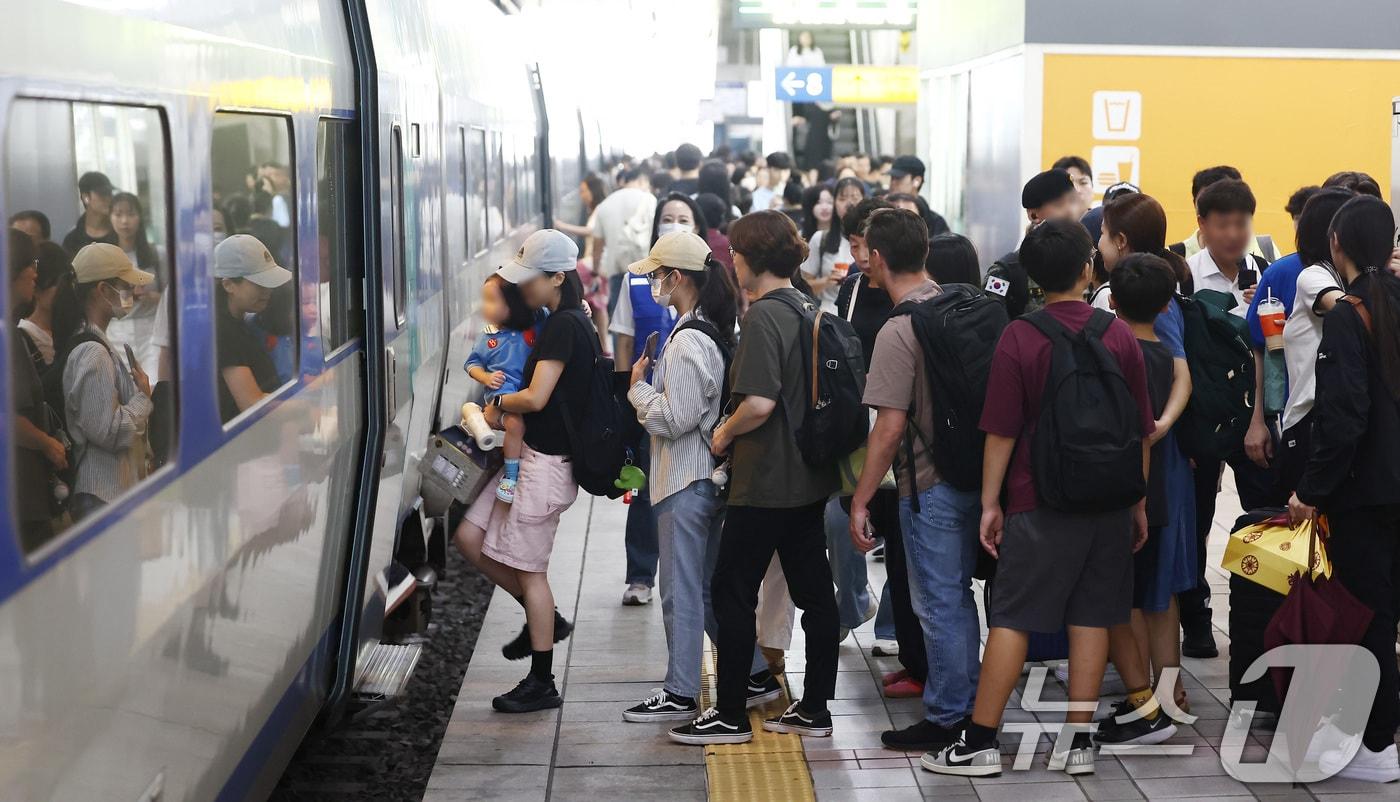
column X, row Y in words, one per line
column 496, row 402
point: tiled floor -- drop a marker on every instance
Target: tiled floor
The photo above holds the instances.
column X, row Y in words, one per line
column 617, row 656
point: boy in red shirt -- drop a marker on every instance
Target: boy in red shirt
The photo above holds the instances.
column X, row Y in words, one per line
column 1055, row 569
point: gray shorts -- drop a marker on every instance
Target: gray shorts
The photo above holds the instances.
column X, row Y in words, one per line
column 1061, row 569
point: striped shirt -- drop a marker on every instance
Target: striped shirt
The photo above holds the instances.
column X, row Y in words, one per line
column 679, row 408
column 106, row 416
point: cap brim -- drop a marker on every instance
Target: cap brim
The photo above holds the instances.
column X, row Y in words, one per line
column 137, row 277
column 271, row 278
column 644, row 267
column 517, row 273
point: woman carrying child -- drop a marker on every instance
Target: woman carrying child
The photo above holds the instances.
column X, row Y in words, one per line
column 498, row 363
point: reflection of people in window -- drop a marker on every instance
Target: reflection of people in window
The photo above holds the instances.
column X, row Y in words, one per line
column 267, row 230
column 245, row 274
column 279, row 185
column 95, row 223
column 129, row 225
column 38, row 453
column 107, row 402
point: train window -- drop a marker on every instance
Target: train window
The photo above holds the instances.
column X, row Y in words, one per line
column 495, row 188
column 255, row 286
column 397, row 233
column 508, row 207
column 338, row 232
column 93, row 367
column 474, row 163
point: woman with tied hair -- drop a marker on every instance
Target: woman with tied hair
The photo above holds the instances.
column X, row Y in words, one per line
column 828, row 253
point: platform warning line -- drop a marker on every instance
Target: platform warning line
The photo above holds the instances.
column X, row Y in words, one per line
column 773, row 766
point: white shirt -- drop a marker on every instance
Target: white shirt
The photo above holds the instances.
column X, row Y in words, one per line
column 41, row 339
column 820, row 265
column 622, row 321
column 1207, row 276
column 610, row 221
column 1301, row 336
column 813, row 57
column 762, row 199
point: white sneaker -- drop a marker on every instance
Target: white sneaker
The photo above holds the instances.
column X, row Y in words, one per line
column 1062, row 673
column 885, row 648
column 636, row 595
column 1367, row 766
column 872, row 605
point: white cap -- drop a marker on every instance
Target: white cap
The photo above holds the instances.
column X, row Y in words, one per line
column 545, row 251
column 244, row 256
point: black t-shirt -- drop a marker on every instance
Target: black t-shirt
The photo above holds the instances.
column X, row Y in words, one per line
column 1160, row 371
column 239, row 346
column 78, row 237
column 567, row 337
column 685, row 186
column 32, row 469
column 873, row 307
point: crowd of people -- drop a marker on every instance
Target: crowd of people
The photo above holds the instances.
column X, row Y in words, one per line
column 1027, row 421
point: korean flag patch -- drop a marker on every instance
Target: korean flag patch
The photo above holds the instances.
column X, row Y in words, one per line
column 997, row 286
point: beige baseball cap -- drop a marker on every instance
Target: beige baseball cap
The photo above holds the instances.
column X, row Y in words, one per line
column 99, row 261
column 244, row 256
column 679, row 250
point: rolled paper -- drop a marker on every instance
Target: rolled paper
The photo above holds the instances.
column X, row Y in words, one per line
column 486, row 438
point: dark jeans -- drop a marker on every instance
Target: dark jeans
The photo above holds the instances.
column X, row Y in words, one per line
column 1257, row 488
column 884, row 519
column 643, row 551
column 84, row 504
column 1365, row 552
column 751, row 536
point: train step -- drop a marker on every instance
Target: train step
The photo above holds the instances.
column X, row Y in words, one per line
column 387, row 671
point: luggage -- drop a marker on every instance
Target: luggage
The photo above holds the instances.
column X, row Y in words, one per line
column 1252, row 607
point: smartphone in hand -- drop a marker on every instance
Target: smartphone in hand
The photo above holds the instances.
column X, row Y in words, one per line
column 1248, row 275
column 649, row 347
column 131, row 362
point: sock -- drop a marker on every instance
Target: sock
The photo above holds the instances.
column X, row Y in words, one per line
column 1145, row 703
column 1081, row 740
column 979, row 736
column 542, row 665
column 512, row 469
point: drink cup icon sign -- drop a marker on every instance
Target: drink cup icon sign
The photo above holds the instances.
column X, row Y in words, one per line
column 1116, row 113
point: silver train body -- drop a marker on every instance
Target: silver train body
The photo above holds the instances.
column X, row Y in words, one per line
column 180, row 644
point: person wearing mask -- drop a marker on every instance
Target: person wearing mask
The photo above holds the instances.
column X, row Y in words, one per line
column 775, row 498
column 688, row 159
column 245, row 275
column 1083, row 177
column 511, row 543
column 108, row 402
column 952, row 259
column 933, row 221
column 38, row 325
column 38, row 453
column 907, row 175
column 1261, row 246
column 634, row 319
column 34, row 223
column 95, row 223
column 828, row 259
column 1352, row 475
column 817, row 206
column 1047, row 196
column 128, row 221
column 679, row 407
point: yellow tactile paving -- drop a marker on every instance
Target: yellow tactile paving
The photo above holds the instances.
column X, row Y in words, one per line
column 772, row 766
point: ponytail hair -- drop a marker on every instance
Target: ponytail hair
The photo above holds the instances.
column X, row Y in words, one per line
column 1365, row 229
column 718, row 297
column 69, row 311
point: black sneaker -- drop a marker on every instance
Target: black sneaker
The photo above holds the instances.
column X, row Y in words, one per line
column 1124, row 727
column 922, row 736
column 712, row 728
column 961, row 761
column 1198, row 642
column 531, row 694
column 763, row 688
column 519, row 647
column 795, row 721
column 664, row 706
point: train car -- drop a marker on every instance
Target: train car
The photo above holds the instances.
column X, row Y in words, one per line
column 179, row 641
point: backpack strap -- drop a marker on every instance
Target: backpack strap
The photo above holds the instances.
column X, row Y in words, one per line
column 1361, row 310
column 1046, row 324
column 1098, row 323
column 710, row 330
column 803, row 310
column 1260, row 263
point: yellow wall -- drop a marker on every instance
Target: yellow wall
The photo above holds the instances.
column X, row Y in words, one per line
column 1284, row 122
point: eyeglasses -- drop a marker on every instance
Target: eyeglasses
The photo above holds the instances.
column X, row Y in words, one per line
column 1093, row 254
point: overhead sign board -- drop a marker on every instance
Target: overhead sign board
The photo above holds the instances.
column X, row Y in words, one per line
column 803, row 84
column 824, row 13
column 854, row 84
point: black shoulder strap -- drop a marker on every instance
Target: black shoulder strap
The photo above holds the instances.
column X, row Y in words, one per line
column 587, row 323
column 708, row 329
column 31, row 349
column 1178, row 248
column 792, row 303
column 1046, row 324
column 1098, row 323
column 1260, row 262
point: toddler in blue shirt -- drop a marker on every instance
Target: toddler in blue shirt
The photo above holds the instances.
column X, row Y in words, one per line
column 498, row 362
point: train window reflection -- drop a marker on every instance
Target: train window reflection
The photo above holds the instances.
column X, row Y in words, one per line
column 338, row 232
column 495, row 187
column 255, row 291
column 508, row 207
column 474, row 163
column 92, row 356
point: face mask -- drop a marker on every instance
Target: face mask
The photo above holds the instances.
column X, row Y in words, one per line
column 663, row 299
column 666, row 228
column 121, row 307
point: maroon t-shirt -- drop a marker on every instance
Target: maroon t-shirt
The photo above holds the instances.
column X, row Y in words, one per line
column 1017, row 383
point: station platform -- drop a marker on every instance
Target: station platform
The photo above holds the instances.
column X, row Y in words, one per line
column 617, row 656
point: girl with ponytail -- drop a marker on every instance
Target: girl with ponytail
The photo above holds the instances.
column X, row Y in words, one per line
column 1352, row 474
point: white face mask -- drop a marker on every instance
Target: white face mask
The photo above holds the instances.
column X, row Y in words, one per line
column 122, row 306
column 666, row 228
column 663, row 299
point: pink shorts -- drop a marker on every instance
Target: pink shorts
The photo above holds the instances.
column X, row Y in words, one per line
column 521, row 535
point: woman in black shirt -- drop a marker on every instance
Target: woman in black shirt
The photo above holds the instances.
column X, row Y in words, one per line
column 511, row 543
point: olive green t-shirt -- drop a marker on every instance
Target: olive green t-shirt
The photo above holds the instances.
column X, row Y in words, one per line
column 768, row 470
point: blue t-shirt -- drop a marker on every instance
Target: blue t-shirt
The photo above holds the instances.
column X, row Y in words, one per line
column 1170, row 328
column 505, row 350
column 1281, row 280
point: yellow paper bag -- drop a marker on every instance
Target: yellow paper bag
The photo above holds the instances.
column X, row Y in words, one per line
column 1273, row 555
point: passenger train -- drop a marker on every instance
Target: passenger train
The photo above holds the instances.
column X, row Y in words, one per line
column 180, row 643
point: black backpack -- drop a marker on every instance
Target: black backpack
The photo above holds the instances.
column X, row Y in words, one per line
column 958, row 330
column 1217, row 346
column 55, row 399
column 598, row 444
column 1086, row 455
column 835, row 422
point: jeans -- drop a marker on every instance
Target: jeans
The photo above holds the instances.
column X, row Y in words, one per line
column 688, row 525
column 885, row 519
column 751, row 535
column 884, row 615
column 941, row 545
column 848, row 566
column 640, row 541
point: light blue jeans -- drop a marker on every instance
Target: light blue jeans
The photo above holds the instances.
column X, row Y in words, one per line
column 847, row 567
column 941, row 545
column 884, row 616
column 688, row 525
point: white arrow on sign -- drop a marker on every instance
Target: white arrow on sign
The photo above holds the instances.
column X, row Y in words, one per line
column 791, row 83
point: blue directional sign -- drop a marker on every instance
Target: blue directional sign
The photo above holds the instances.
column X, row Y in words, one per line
column 803, row 84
